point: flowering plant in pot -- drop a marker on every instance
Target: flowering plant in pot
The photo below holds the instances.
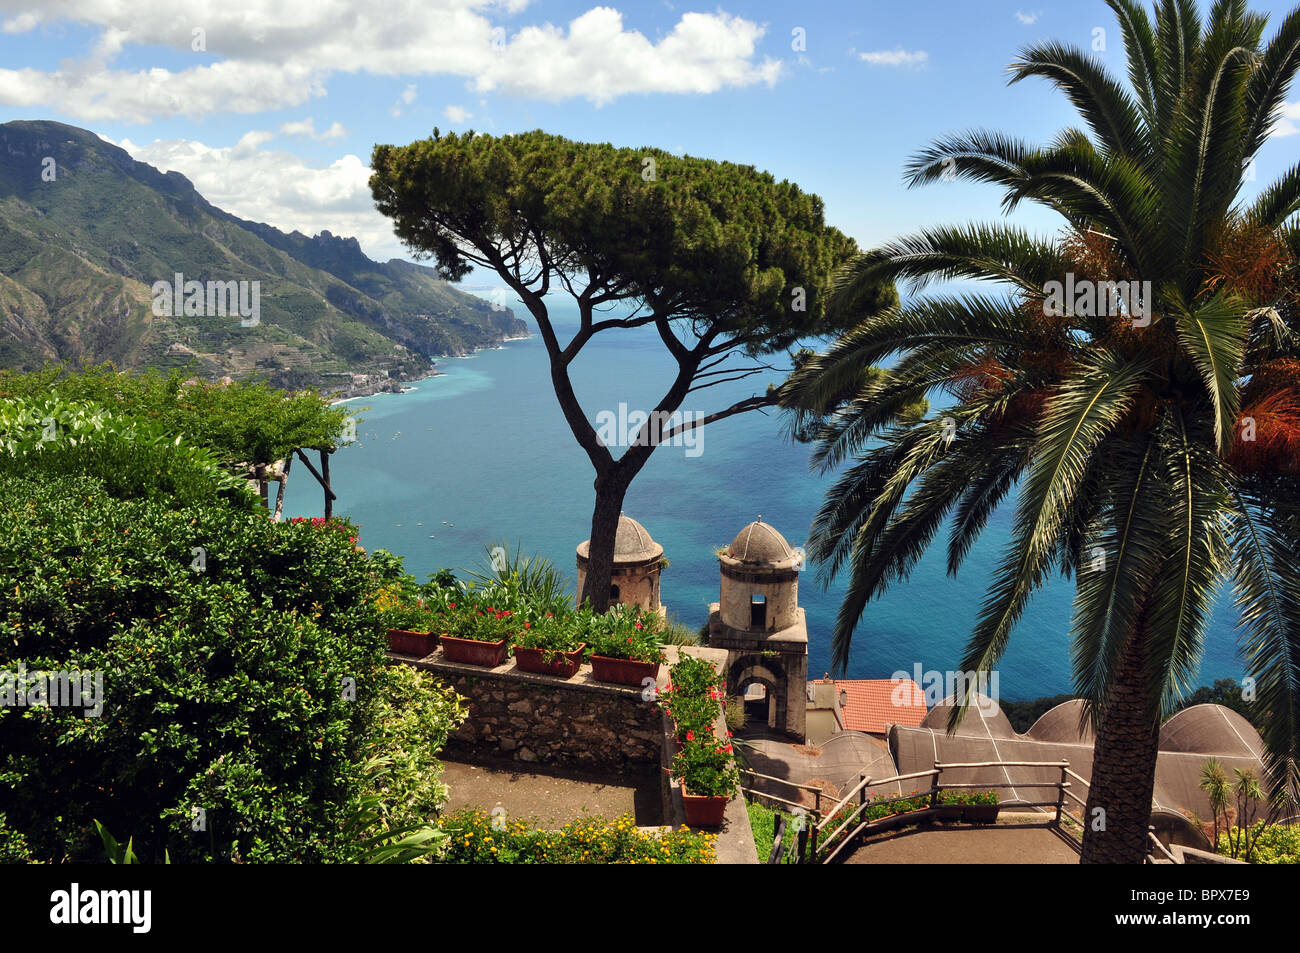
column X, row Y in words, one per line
column 624, row 645
column 691, row 713
column 482, row 634
column 410, row 623
column 707, row 770
column 549, row 647
column 981, row 807
column 692, row 697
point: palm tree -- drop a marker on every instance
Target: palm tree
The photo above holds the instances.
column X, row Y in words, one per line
column 1150, row 439
column 1214, row 782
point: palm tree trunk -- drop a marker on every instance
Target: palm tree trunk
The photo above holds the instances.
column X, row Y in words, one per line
column 1118, row 813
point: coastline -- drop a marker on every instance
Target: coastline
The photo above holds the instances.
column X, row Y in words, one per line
column 402, row 386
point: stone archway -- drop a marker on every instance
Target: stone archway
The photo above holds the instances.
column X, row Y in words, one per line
column 768, row 672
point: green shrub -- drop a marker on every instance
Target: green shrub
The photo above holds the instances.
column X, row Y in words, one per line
column 13, row 846
column 1270, row 843
column 242, row 422
column 242, row 700
column 133, row 458
column 480, row 838
column 736, row 714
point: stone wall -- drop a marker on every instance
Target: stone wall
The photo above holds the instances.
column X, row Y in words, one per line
column 539, row 718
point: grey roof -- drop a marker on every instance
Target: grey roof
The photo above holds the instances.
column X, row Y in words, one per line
column 632, row 544
column 760, row 545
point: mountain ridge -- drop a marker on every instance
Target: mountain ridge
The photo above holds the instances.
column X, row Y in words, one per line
column 86, row 231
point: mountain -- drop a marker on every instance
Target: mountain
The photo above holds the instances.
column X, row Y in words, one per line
column 86, row 232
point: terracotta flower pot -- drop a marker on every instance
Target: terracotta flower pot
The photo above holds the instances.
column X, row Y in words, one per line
column 565, row 664
column 702, row 810
column 406, row 642
column 473, row 652
column 621, row 671
column 981, row 813
column 949, row 812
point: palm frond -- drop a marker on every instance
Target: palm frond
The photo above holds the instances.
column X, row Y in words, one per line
column 1087, row 407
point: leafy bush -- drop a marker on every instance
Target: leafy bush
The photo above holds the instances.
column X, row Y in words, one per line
column 479, row 838
column 134, row 458
column 1270, row 844
column 242, row 422
column 736, row 715
column 13, row 846
column 245, row 687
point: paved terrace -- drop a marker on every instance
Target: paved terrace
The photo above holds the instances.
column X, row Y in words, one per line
column 1022, row 840
column 552, row 796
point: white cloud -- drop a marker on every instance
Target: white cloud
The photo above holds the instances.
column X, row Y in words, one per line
column 898, row 57
column 279, row 188
column 1289, row 123
column 1028, row 19
column 306, row 128
column 457, row 114
column 407, row 97
column 601, row 60
column 272, row 54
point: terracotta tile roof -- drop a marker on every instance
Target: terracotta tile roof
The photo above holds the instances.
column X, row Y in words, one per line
column 876, row 703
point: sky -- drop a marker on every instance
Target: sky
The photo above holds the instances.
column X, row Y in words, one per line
column 271, row 107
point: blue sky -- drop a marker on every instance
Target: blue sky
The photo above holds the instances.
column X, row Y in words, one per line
column 273, row 116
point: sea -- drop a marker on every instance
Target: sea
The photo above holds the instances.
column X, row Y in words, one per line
column 480, row 455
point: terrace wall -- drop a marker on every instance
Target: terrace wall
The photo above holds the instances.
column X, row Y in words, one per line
column 578, row 722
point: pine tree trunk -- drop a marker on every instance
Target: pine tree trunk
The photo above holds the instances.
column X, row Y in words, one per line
column 1118, row 812
column 610, row 490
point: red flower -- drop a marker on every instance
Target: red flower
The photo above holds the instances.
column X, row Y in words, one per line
column 690, row 735
column 638, row 625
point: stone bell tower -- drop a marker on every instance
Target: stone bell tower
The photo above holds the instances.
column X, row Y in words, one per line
column 758, row 621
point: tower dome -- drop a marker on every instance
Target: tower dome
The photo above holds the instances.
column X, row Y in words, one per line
column 632, row 544
column 760, row 546
column 638, row 560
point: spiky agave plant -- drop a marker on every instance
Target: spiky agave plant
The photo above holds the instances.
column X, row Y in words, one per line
column 1119, row 429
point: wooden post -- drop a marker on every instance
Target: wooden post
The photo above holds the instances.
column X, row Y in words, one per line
column 934, row 787
column 284, row 483
column 803, row 844
column 1060, row 795
column 325, row 473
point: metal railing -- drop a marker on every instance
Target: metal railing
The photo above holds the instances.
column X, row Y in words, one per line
column 843, row 834
column 808, row 818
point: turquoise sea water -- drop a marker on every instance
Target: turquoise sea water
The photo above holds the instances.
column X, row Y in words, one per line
column 482, row 454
